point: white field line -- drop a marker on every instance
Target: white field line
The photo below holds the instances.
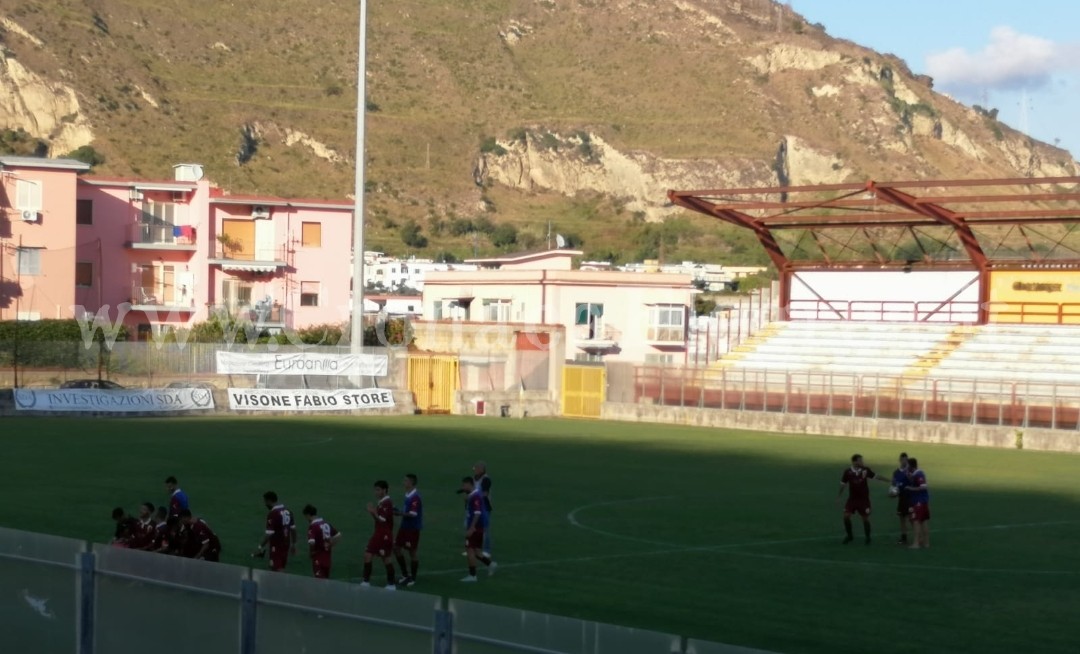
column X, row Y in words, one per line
column 572, row 518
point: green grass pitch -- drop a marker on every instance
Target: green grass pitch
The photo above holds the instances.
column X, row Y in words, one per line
column 722, row 535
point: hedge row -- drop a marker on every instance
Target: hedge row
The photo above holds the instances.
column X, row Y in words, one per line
column 48, row 343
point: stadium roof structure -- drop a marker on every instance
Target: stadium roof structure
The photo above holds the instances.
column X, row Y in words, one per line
column 976, row 224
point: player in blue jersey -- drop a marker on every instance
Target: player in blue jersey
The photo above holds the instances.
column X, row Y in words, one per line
column 900, row 482
column 408, row 535
column 475, row 524
column 919, row 498
column 178, row 499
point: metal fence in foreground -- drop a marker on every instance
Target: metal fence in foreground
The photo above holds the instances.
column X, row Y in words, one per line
column 59, row 596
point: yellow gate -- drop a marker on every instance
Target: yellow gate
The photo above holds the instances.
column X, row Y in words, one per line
column 433, row 380
column 583, row 390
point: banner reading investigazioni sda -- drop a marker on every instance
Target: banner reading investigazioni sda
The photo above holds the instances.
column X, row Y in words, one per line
column 301, row 399
column 301, row 363
column 117, row 401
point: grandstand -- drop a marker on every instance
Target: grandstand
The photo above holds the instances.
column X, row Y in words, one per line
column 965, row 292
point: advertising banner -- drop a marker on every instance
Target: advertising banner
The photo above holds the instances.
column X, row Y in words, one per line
column 302, row 399
column 117, row 401
column 301, row 363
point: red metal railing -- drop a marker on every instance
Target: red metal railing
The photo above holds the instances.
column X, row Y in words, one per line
column 960, row 312
column 1054, row 405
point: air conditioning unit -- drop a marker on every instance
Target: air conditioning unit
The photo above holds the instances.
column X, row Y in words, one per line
column 29, row 216
column 259, row 212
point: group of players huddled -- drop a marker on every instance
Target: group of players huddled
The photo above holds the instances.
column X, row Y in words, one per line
column 907, row 484
column 173, row 529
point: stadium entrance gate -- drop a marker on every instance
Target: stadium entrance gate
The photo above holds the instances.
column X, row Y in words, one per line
column 583, row 390
column 433, row 380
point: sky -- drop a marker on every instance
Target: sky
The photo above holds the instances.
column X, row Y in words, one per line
column 1021, row 57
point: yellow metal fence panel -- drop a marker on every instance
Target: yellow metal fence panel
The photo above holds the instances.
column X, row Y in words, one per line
column 433, row 381
column 583, row 391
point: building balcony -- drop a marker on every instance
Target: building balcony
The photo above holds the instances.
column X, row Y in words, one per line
column 245, row 258
column 260, row 314
column 145, row 236
column 152, row 298
column 666, row 335
column 596, row 338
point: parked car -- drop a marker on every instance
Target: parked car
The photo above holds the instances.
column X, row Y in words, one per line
column 103, row 384
column 206, row 386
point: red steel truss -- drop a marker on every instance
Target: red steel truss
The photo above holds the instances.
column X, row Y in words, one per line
column 978, row 224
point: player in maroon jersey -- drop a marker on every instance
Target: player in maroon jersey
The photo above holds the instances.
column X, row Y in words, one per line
column 143, row 532
column 321, row 538
column 125, row 528
column 201, row 542
column 855, row 479
column 163, row 527
column 280, row 533
column 381, row 543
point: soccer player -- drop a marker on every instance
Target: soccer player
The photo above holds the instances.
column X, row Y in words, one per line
column 476, row 519
column 201, row 541
column 855, row 479
column 162, row 531
column 900, row 482
column 919, row 498
column 381, row 543
column 143, row 534
column 125, row 528
column 321, row 538
column 408, row 535
column 280, row 533
column 480, row 475
column 178, row 499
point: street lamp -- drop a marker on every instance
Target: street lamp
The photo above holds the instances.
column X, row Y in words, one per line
column 357, row 334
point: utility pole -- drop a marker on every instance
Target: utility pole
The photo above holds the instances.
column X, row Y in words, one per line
column 356, row 341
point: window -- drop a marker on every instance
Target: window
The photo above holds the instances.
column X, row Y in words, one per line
column 29, row 260
column 667, row 323
column 309, row 294
column 496, row 310
column 311, row 235
column 589, row 357
column 657, row 359
column 84, row 274
column 27, row 195
column 84, row 212
column 589, row 316
column 587, row 313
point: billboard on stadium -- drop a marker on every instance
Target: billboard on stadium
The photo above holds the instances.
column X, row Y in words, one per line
column 114, row 401
column 1035, row 296
column 301, row 363
column 306, row 399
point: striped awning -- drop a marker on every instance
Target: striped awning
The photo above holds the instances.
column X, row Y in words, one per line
column 249, row 267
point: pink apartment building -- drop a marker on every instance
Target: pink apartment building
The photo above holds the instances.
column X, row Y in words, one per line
column 171, row 253
column 37, row 237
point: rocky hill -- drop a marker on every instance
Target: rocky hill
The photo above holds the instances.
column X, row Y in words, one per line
column 487, row 114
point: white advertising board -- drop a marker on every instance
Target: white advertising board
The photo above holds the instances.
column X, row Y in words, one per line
column 301, row 363
column 117, row 401
column 301, row 399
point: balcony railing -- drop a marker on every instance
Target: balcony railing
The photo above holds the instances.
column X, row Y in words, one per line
column 671, row 334
column 257, row 314
column 166, row 298
column 164, row 236
column 246, row 252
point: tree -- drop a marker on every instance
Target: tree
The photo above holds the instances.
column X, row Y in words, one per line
column 504, row 235
column 412, row 236
column 446, row 257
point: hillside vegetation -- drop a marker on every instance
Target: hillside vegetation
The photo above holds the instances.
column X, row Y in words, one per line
column 506, row 112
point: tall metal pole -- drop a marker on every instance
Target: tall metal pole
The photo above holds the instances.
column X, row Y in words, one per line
column 357, row 333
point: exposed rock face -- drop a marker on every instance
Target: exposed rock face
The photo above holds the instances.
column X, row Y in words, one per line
column 45, row 110
column 586, row 163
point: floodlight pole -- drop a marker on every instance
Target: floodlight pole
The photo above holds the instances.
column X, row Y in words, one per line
column 356, row 341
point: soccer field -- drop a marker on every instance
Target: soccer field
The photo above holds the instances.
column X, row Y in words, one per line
column 721, row 535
